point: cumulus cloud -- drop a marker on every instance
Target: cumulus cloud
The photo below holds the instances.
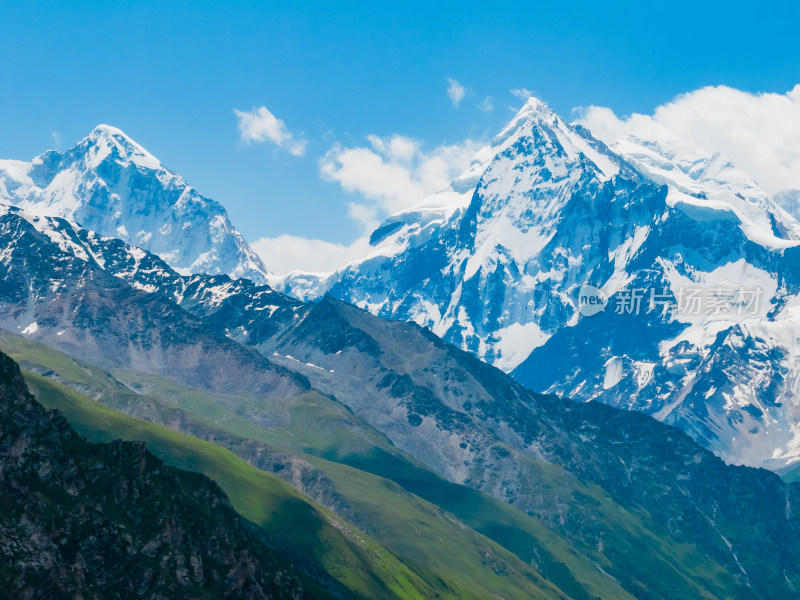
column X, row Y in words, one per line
column 759, row 133
column 487, row 105
column 393, row 173
column 286, row 253
column 455, row 91
column 260, row 125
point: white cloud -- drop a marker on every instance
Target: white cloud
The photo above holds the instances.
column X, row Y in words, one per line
column 759, row 133
column 455, row 91
column 364, row 214
column 56, row 137
column 487, row 105
column 393, row 173
column 388, row 174
column 260, row 125
column 287, row 253
column 522, row 93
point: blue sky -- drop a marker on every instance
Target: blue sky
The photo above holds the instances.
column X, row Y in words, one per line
column 172, row 74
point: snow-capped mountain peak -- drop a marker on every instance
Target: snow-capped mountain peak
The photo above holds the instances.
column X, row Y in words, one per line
column 112, row 185
column 569, row 142
column 107, row 141
column 521, row 209
column 552, row 149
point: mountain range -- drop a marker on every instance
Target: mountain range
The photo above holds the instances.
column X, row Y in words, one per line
column 359, row 424
column 303, row 390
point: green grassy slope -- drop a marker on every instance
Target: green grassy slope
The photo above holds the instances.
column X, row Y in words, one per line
column 375, row 486
column 293, row 523
column 444, row 559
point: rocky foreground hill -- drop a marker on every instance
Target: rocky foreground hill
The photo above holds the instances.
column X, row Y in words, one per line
column 94, row 521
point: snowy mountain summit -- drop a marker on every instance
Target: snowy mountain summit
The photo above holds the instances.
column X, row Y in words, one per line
column 694, row 270
column 111, row 185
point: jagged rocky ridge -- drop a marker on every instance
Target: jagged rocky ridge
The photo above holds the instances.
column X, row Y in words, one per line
column 53, row 289
column 83, row 520
column 603, row 479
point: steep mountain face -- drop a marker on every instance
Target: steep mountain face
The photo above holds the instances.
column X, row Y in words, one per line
column 608, row 482
column 681, row 249
column 56, row 292
column 81, row 520
column 113, row 186
column 489, row 263
column 711, row 346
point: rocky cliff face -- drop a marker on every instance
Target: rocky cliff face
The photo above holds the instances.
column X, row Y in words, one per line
column 81, row 520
